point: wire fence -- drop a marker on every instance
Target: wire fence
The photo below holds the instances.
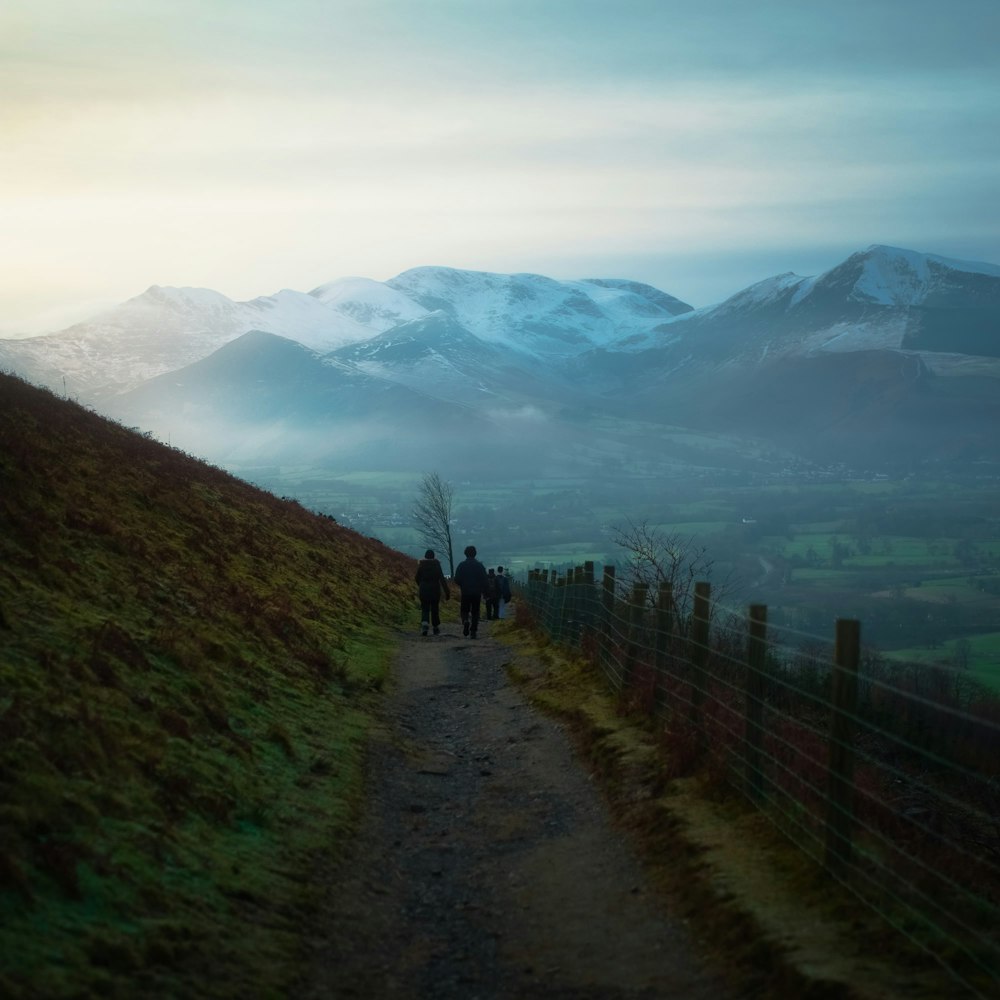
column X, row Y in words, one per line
column 886, row 775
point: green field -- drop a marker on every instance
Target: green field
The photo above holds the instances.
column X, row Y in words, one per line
column 917, row 560
column 979, row 655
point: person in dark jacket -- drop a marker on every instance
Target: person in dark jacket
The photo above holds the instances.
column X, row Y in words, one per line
column 490, row 595
column 503, row 592
column 470, row 575
column 431, row 584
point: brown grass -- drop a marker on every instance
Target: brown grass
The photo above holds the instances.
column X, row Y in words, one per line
column 186, row 667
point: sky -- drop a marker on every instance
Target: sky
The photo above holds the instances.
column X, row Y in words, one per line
column 253, row 145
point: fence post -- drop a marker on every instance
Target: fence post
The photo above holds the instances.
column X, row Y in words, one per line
column 698, row 652
column 753, row 732
column 607, row 613
column 635, row 615
column 570, row 615
column 558, row 607
column 664, row 624
column 588, row 617
column 840, row 775
column 587, row 605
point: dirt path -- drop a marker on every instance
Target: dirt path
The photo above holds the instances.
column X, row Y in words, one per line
column 486, row 866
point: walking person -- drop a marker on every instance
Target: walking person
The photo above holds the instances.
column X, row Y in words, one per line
column 431, row 585
column 503, row 592
column 490, row 595
column 472, row 579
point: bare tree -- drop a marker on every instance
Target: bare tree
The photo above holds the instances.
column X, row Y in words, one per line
column 432, row 514
column 655, row 557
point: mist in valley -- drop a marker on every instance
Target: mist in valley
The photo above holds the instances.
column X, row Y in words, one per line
column 914, row 552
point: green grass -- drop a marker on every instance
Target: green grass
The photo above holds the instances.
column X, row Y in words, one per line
column 807, row 575
column 692, row 529
column 983, row 657
column 568, row 554
column 957, row 588
column 189, row 670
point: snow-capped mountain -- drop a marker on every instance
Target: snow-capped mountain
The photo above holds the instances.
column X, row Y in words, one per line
column 886, row 342
column 890, row 276
column 375, row 305
column 436, row 354
column 864, row 353
column 883, row 298
column 167, row 328
column 164, row 329
column 540, row 316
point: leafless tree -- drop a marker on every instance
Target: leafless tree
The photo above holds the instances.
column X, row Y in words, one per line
column 432, row 514
column 655, row 557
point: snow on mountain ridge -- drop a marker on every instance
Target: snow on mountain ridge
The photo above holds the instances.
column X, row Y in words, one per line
column 651, row 294
column 892, row 276
column 536, row 314
column 373, row 304
column 534, row 317
column 879, row 299
column 767, row 291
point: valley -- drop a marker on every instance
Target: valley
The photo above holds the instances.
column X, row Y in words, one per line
column 916, row 559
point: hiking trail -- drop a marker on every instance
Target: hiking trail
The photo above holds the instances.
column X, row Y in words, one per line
column 486, row 864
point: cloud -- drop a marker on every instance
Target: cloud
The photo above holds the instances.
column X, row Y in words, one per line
column 254, row 145
column 527, row 414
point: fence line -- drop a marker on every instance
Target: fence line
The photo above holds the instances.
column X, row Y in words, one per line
column 887, row 777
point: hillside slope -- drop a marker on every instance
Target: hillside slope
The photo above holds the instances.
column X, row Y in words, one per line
column 185, row 665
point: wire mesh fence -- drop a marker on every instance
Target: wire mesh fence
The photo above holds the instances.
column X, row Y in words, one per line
column 885, row 774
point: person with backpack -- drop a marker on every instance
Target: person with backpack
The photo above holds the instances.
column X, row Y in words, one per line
column 431, row 584
column 472, row 579
column 503, row 592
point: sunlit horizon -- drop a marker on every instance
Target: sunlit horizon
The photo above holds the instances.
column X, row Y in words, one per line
column 254, row 147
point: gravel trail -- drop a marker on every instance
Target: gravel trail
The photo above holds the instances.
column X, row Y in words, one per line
column 486, row 865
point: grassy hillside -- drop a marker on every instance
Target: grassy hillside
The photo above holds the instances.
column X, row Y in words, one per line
column 185, row 666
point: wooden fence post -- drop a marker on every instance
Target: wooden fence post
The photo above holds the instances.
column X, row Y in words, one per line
column 571, row 616
column 753, row 731
column 607, row 613
column 840, row 776
column 558, row 606
column 698, row 651
column 588, row 602
column 636, row 613
column 664, row 625
column 587, row 609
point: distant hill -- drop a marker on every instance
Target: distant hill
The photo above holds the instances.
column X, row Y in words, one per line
column 185, row 667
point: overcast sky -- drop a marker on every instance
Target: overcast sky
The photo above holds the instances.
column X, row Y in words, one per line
column 254, row 145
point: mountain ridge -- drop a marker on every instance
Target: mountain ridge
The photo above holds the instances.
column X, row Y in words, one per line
column 548, row 357
column 166, row 328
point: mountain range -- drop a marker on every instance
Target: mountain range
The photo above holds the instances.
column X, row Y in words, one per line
column 891, row 357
